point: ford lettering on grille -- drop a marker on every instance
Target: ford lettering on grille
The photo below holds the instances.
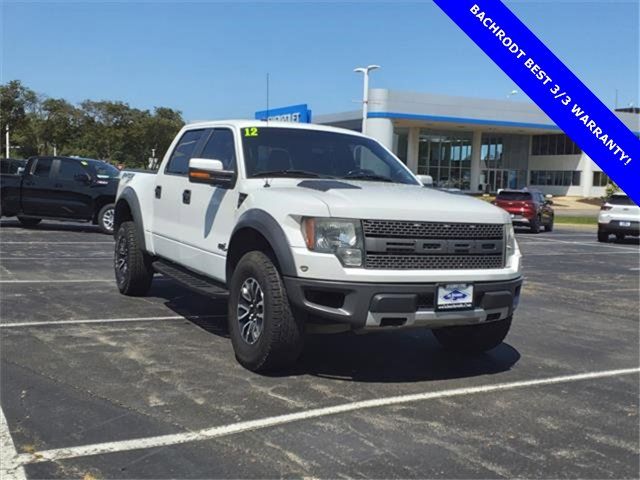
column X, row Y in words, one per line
column 395, row 245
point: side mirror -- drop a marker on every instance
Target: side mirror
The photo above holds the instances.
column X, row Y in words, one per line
column 426, row 180
column 204, row 170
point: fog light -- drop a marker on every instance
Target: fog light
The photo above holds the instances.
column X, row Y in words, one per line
column 350, row 257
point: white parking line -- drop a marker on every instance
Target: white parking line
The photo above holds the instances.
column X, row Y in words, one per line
column 2, row 259
column 221, row 431
column 61, row 281
column 101, row 320
column 592, row 244
column 54, row 243
column 561, row 254
column 10, row 467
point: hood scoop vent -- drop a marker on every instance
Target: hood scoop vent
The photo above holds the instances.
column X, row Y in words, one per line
column 326, row 185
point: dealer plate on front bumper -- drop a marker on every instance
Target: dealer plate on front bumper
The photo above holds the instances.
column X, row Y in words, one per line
column 625, row 224
column 458, row 296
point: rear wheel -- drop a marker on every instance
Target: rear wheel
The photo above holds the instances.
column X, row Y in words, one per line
column 264, row 332
column 603, row 236
column 549, row 226
column 29, row 222
column 132, row 265
column 535, row 225
column 473, row 338
column 106, row 218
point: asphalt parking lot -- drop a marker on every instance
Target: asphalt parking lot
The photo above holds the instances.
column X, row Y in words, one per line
column 95, row 384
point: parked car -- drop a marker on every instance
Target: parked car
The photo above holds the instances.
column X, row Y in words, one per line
column 61, row 188
column 527, row 208
column 12, row 166
column 311, row 227
column 620, row 216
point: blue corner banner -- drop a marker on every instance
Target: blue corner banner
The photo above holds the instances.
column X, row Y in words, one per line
column 552, row 86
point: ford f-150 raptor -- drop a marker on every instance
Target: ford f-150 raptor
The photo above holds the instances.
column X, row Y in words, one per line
column 312, row 228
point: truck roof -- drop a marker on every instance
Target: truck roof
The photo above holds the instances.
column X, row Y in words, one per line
column 268, row 124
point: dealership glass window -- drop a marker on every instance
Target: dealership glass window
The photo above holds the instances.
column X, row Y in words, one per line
column 558, row 178
column 401, row 143
column 446, row 156
column 600, row 179
column 554, row 144
column 491, row 151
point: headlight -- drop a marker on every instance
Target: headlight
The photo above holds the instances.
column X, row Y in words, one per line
column 509, row 241
column 341, row 237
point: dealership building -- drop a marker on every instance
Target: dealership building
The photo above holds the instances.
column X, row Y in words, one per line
column 480, row 145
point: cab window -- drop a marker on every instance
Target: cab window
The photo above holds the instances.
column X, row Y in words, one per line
column 221, row 147
column 43, row 167
column 71, row 170
column 179, row 161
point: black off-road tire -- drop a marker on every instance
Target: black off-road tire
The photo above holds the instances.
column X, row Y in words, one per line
column 603, row 236
column 281, row 337
column 620, row 237
column 135, row 275
column 29, row 222
column 534, row 225
column 106, row 218
column 473, row 338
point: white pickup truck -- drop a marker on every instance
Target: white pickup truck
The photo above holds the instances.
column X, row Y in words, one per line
column 307, row 228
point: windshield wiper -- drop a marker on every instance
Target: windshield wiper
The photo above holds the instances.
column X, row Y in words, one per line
column 288, row 173
column 368, row 176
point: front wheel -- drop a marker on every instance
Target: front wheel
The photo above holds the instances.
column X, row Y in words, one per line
column 620, row 236
column 264, row 332
column 132, row 265
column 106, row 218
column 473, row 338
column 603, row 236
column 29, row 221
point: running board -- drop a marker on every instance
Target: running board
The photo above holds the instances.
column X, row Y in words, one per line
column 189, row 279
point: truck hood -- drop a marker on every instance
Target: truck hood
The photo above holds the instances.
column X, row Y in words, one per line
column 388, row 201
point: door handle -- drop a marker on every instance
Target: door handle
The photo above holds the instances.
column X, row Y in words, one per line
column 186, row 197
column 57, row 185
column 158, row 191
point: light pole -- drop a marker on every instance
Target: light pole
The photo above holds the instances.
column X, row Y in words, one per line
column 7, row 140
column 365, row 94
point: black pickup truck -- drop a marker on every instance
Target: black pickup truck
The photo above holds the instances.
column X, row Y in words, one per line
column 61, row 188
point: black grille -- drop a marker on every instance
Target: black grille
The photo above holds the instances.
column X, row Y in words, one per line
column 403, row 229
column 432, row 262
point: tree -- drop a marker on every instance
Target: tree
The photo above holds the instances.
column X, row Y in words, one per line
column 107, row 130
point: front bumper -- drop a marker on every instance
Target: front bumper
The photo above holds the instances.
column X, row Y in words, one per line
column 379, row 305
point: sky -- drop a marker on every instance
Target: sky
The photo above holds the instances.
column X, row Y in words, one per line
column 210, row 59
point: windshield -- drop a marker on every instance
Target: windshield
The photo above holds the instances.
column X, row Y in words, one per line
column 514, row 196
column 105, row 170
column 292, row 152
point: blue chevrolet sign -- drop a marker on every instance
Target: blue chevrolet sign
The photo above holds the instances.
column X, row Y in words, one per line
column 293, row 113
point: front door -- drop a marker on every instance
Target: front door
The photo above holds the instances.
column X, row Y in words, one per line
column 72, row 188
column 170, row 183
column 208, row 215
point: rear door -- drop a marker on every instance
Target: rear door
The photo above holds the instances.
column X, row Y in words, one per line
column 37, row 192
column 72, row 183
column 208, row 211
column 171, row 181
